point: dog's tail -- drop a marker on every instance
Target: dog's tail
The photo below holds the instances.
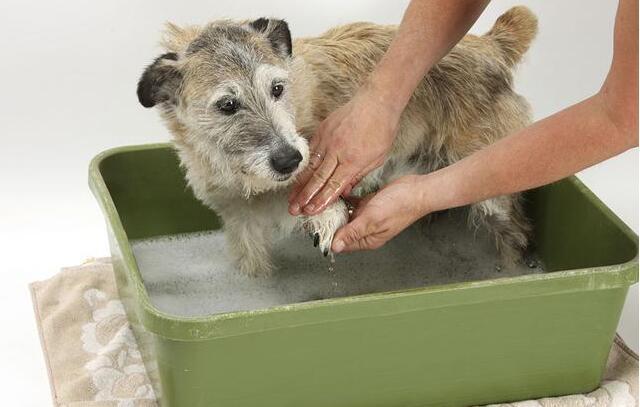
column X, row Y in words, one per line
column 513, row 33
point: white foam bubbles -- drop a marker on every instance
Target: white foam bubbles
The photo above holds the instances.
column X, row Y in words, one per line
column 192, row 275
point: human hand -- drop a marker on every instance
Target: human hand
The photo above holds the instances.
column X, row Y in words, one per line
column 348, row 144
column 382, row 215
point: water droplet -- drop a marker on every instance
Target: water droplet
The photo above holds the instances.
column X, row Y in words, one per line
column 332, row 261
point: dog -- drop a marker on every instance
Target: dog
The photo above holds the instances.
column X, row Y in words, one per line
column 242, row 99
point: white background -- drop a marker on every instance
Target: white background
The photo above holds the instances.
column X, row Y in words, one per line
column 68, row 71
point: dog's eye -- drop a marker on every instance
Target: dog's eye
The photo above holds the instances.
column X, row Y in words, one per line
column 277, row 89
column 228, row 106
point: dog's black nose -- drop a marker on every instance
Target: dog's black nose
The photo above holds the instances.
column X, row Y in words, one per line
column 286, row 160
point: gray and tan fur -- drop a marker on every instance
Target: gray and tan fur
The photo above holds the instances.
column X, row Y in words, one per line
column 242, row 100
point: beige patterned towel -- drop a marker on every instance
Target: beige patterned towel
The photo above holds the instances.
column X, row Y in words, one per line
column 93, row 358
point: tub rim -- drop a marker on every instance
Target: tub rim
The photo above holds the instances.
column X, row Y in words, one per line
column 198, row 328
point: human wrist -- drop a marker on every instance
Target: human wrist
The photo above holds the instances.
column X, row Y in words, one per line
column 413, row 198
column 384, row 93
column 428, row 198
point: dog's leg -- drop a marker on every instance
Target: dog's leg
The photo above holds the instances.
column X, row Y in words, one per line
column 249, row 244
column 324, row 225
column 505, row 220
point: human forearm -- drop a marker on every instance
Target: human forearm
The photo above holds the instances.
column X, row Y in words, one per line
column 551, row 149
column 547, row 151
column 429, row 29
column 600, row 127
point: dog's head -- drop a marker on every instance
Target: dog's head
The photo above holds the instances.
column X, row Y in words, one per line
column 226, row 87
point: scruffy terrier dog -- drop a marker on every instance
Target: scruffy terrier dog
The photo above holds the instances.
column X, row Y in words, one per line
column 242, row 100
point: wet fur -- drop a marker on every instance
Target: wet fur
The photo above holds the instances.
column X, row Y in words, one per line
column 464, row 103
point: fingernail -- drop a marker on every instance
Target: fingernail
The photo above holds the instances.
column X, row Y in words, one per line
column 338, row 245
column 294, row 209
column 309, row 208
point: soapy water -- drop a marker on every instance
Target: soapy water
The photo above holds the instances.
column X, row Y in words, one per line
column 192, row 274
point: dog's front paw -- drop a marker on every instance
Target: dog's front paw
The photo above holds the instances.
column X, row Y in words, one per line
column 324, row 225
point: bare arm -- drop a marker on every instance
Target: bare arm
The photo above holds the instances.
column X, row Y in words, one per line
column 429, row 29
column 600, row 127
column 355, row 139
column 587, row 133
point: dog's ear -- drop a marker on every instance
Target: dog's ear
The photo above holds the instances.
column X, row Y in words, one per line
column 277, row 31
column 160, row 81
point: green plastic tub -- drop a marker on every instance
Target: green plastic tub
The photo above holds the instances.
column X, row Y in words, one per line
column 450, row 345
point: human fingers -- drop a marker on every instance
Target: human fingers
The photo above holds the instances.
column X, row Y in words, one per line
column 314, row 184
column 315, row 160
column 359, row 234
column 330, row 191
column 357, row 178
column 317, row 149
